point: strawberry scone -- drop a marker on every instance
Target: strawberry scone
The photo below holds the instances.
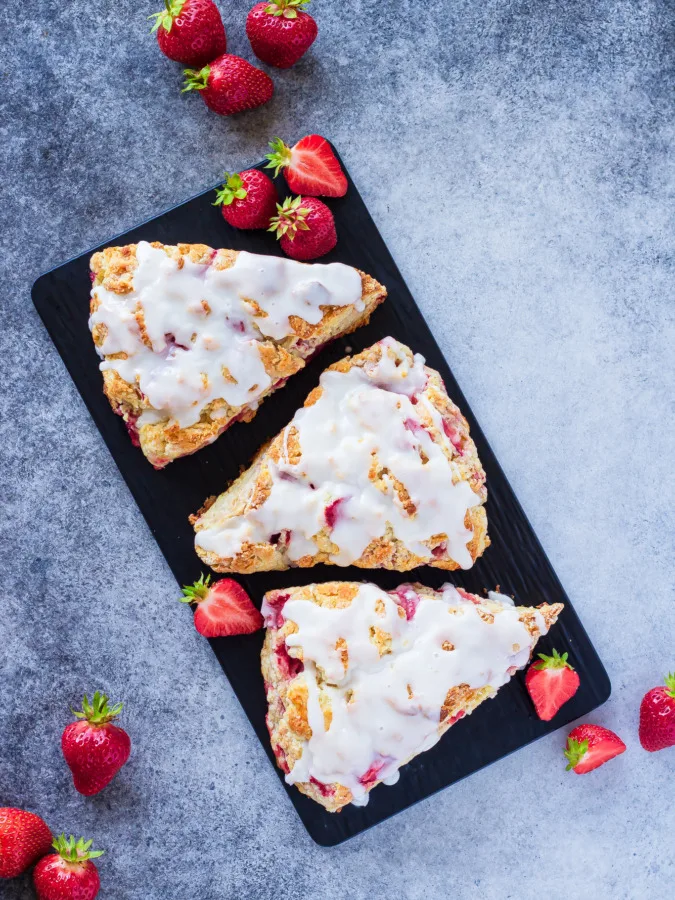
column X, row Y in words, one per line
column 360, row 680
column 377, row 470
column 192, row 339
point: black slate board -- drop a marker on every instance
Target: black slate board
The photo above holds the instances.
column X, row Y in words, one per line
column 515, row 561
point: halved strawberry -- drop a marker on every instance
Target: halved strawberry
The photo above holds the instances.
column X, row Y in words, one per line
column 551, row 682
column 590, row 746
column 223, row 608
column 310, row 167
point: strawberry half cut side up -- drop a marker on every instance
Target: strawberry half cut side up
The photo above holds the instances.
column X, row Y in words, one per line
column 223, row 608
column 68, row 873
column 551, row 682
column 590, row 746
column 310, row 167
column 657, row 717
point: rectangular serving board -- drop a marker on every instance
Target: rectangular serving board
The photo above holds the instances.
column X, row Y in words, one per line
column 515, row 561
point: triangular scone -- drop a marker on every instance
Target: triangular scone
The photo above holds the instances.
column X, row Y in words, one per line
column 192, row 339
column 377, row 470
column 359, row 681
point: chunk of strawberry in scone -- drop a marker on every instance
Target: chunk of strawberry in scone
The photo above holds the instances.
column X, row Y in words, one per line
column 223, row 608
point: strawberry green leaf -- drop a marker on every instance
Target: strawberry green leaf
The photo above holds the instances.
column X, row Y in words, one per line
column 556, row 661
column 286, row 8
column 75, row 851
column 193, row 593
column 670, row 684
column 196, row 80
column 165, row 18
column 290, row 218
column 98, row 712
column 575, row 752
column 279, row 158
column 232, row 190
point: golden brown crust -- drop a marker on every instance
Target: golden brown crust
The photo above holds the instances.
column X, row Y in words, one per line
column 164, row 441
column 253, row 486
column 287, row 719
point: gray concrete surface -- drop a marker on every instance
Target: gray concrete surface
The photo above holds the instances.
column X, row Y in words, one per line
column 517, row 157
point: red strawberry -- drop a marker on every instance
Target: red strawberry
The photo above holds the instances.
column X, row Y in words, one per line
column 657, row 716
column 305, row 227
column 247, row 200
column 551, row 682
column 589, row 746
column 24, row 837
column 190, row 31
column 95, row 749
column 310, row 167
column 68, row 874
column 223, row 608
column 280, row 31
column 230, row 85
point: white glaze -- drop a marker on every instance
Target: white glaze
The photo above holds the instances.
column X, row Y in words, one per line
column 204, row 309
column 362, row 412
column 379, row 722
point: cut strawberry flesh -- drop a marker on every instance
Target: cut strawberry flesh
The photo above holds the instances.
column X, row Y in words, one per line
column 598, row 756
column 289, row 666
column 332, row 512
column 314, row 169
column 226, row 610
column 324, row 789
column 550, row 689
column 408, row 600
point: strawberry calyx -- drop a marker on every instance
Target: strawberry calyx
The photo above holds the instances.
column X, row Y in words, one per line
column 280, row 157
column 232, row 190
column 669, row 681
column 196, row 80
column 193, row 593
column 75, row 851
column 165, row 18
column 98, row 712
column 290, row 218
column 286, row 8
column 556, row 661
column 575, row 752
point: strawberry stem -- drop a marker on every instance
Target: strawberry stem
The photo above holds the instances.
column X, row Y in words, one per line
column 670, row 684
column 165, row 18
column 280, row 157
column 286, row 8
column 290, row 217
column 98, row 712
column 556, row 661
column 575, row 752
column 232, row 190
column 75, row 851
column 193, row 593
column 196, row 80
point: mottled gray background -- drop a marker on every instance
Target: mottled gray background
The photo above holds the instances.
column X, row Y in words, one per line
column 517, row 157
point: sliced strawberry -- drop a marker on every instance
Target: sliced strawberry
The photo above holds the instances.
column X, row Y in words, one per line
column 590, row 746
column 551, row 682
column 310, row 167
column 223, row 608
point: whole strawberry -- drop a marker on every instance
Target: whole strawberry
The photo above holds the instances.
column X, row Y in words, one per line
column 657, row 716
column 68, row 874
column 590, row 746
column 305, row 227
column 24, row 837
column 281, row 31
column 247, row 200
column 223, row 608
column 551, row 682
column 190, row 31
column 230, row 85
column 93, row 747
